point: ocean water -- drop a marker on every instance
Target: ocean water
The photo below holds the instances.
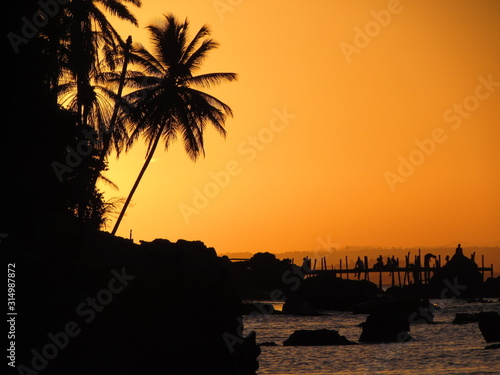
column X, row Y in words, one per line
column 440, row 348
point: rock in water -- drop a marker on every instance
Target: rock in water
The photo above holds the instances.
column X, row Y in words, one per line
column 460, row 277
column 386, row 327
column 327, row 292
column 465, row 318
column 489, row 324
column 246, row 355
column 316, row 338
column 416, row 310
column 492, row 287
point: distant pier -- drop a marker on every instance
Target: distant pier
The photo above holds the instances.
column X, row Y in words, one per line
column 411, row 273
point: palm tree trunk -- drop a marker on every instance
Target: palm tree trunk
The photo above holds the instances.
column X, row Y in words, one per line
column 121, row 84
column 138, row 180
column 109, row 133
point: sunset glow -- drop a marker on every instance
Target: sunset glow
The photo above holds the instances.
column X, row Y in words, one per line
column 369, row 123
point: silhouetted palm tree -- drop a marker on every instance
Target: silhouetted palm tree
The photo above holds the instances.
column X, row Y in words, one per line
column 68, row 51
column 102, row 104
column 103, row 115
column 166, row 101
column 84, row 36
column 88, row 45
column 112, row 129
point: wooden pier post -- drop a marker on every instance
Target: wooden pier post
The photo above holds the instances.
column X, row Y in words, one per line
column 346, row 268
column 314, row 267
column 380, row 280
column 399, row 274
column 482, row 264
column 419, row 265
column 367, row 274
column 438, row 267
column 340, row 273
column 407, row 264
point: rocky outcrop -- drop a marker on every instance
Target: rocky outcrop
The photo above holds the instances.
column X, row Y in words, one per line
column 157, row 307
column 319, row 337
column 415, row 309
column 384, row 327
column 262, row 274
column 245, row 355
column 491, row 287
column 489, row 324
column 459, row 278
column 465, row 318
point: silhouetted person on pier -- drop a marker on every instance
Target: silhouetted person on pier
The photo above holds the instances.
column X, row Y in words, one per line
column 360, row 266
column 427, row 264
column 306, row 265
column 394, row 263
column 388, row 264
column 459, row 254
column 427, row 259
column 380, row 263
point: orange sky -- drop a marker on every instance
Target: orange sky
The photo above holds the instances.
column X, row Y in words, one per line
column 367, row 123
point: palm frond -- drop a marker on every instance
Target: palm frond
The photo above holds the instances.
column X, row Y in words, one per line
column 196, row 59
column 211, row 100
column 211, row 79
column 108, row 182
column 202, row 33
column 120, row 10
column 148, row 62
